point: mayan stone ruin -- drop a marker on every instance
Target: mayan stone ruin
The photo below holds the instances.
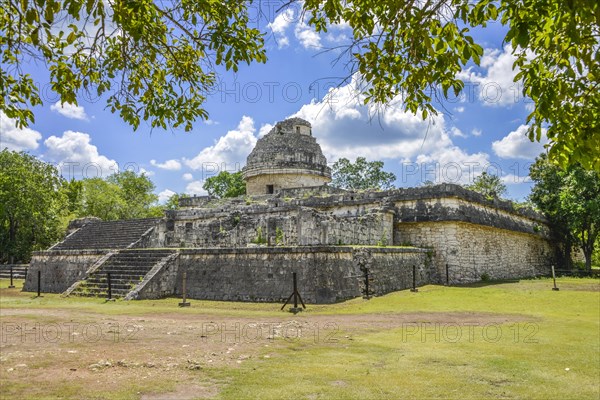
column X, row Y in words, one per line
column 247, row 248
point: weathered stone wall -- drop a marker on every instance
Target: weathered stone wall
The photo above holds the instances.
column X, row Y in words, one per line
column 325, row 274
column 474, row 251
column 60, row 268
column 278, row 223
column 159, row 282
column 282, row 179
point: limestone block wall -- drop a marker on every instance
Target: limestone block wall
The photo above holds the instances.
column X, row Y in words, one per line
column 60, row 268
column 296, row 225
column 159, row 282
column 327, row 228
column 473, row 251
column 326, row 274
column 282, row 179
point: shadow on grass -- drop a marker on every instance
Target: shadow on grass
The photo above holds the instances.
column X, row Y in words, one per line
column 486, row 283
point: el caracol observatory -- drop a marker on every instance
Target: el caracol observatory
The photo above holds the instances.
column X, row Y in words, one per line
column 338, row 244
column 286, row 157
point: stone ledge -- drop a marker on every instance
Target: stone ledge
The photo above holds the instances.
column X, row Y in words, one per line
column 299, row 249
column 92, row 252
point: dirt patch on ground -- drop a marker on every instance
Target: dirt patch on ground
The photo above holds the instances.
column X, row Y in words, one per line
column 78, row 354
column 583, row 287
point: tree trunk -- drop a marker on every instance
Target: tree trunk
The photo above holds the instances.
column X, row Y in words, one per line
column 12, row 235
column 587, row 245
column 588, row 261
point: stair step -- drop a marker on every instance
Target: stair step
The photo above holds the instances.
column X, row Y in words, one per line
column 127, row 268
column 107, row 234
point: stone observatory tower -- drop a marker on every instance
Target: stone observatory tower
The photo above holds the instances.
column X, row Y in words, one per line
column 286, row 157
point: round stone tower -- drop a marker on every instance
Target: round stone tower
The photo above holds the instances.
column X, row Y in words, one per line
column 286, row 157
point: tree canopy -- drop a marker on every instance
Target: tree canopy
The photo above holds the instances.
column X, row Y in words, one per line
column 31, row 205
column 225, row 184
column 571, row 201
column 156, row 61
column 36, row 203
column 361, row 175
column 123, row 195
column 488, row 185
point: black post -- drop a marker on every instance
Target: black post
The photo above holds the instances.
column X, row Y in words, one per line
column 447, row 275
column 295, row 290
column 296, row 295
column 109, row 286
column 554, row 278
column 11, row 278
column 183, row 290
column 39, row 282
column 414, row 288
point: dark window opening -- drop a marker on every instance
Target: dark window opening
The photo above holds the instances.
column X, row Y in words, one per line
column 270, row 189
column 297, row 129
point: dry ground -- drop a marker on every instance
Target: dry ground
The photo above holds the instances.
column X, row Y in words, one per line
column 86, row 349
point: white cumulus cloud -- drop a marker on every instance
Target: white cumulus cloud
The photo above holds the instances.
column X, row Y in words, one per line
column 307, row 36
column 188, row 177
column 195, row 188
column 229, row 152
column 74, row 150
column 496, row 87
column 280, row 25
column 69, row 110
column 517, row 145
column 165, row 195
column 266, row 128
column 17, row 139
column 345, row 127
column 169, row 165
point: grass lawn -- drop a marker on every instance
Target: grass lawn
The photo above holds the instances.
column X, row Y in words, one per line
column 488, row 341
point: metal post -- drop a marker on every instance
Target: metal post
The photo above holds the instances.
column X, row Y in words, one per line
column 39, row 283
column 296, row 295
column 295, row 290
column 447, row 275
column 183, row 290
column 414, row 285
column 11, row 278
column 554, row 279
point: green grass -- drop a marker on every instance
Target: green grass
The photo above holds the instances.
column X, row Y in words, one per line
column 549, row 346
column 546, row 333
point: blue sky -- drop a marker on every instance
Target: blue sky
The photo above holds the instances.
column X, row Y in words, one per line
column 483, row 130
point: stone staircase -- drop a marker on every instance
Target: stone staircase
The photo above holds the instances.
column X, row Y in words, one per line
column 19, row 271
column 127, row 269
column 107, row 234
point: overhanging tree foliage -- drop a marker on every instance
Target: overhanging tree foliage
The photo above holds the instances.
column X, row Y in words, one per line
column 416, row 49
column 571, row 200
column 155, row 60
column 361, row 175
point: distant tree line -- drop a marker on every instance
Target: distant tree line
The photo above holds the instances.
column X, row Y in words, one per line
column 37, row 203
